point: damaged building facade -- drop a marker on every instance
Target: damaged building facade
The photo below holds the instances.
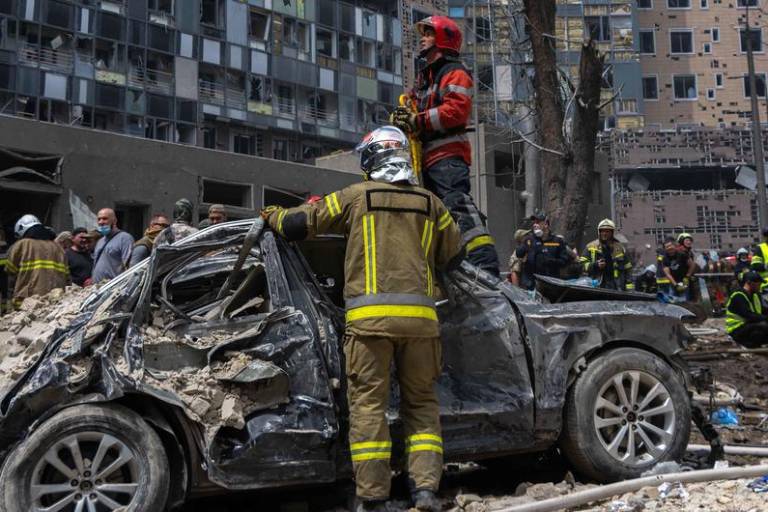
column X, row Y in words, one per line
column 289, row 79
column 683, row 168
column 698, row 181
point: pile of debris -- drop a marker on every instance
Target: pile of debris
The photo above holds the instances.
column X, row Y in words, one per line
column 24, row 333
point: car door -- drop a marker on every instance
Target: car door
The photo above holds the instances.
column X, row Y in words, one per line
column 291, row 443
column 485, row 391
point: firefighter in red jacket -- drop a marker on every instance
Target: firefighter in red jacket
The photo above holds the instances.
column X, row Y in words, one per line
column 443, row 95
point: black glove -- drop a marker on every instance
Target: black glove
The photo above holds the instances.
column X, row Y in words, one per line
column 405, row 119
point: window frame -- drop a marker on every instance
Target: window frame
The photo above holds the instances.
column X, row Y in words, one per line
column 745, row 84
column 673, row 31
column 695, row 84
column 743, row 51
column 722, row 81
column 756, row 4
column 642, row 86
column 712, row 34
column 637, row 6
column 640, row 41
column 690, row 5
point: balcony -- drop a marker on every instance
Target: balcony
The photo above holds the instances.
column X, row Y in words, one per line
column 151, row 79
column 322, row 117
column 56, row 60
column 211, row 92
column 286, row 107
column 236, row 98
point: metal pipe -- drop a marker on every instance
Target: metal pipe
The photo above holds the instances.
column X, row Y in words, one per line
column 608, row 491
column 760, row 451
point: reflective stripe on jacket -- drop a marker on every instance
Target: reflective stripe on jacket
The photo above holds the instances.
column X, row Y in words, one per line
column 444, row 99
column 732, row 320
column 396, row 236
column 39, row 266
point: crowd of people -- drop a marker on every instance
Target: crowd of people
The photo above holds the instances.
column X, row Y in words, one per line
column 41, row 260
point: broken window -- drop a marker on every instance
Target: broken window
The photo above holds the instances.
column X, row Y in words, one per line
column 188, row 294
column 599, row 28
column 286, row 102
column 232, row 194
column 161, row 6
column 366, row 53
column 347, row 47
column 296, row 40
column 482, row 29
column 212, row 13
column 326, row 42
column 110, row 25
column 259, row 29
column 58, row 14
column 209, row 137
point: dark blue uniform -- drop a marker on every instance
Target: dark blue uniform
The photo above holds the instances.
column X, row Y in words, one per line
column 544, row 256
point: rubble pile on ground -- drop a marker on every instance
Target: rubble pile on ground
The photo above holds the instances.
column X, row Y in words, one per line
column 718, row 496
column 24, row 333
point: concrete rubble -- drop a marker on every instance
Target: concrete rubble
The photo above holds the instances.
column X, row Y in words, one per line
column 219, row 394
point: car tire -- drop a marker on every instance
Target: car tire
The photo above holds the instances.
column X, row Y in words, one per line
column 609, row 437
column 110, row 456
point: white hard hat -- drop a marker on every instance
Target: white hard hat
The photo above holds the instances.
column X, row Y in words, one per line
column 651, row 268
column 742, row 251
column 606, row 224
column 24, row 223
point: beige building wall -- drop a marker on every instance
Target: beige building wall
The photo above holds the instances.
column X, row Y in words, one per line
column 716, row 105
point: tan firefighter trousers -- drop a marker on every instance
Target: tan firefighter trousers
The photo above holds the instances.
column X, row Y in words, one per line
column 418, row 365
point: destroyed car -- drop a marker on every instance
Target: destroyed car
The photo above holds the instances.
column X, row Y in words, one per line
column 215, row 365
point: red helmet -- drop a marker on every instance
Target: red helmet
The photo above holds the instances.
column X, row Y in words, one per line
column 447, row 33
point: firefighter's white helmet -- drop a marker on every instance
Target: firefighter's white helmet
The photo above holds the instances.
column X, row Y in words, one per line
column 606, row 224
column 24, row 223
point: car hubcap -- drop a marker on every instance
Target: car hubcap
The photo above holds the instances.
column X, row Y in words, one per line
column 85, row 472
column 634, row 417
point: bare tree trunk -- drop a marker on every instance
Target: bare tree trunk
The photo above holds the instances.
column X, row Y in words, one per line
column 548, row 99
column 586, row 119
column 566, row 165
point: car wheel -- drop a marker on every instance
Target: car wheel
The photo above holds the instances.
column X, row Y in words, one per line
column 87, row 458
column 627, row 411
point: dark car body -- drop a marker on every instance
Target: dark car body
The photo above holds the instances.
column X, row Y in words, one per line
column 508, row 360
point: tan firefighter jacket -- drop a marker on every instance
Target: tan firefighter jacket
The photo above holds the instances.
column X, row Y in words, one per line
column 38, row 267
column 396, row 236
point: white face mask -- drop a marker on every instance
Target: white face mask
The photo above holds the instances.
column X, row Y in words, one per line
column 538, row 232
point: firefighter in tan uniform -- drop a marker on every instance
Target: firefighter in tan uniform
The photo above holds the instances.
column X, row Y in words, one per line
column 36, row 264
column 397, row 234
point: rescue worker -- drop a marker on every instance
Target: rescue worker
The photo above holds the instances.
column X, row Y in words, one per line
column 742, row 264
column 181, row 227
column 542, row 252
column 760, row 257
column 515, row 263
column 36, row 264
column 397, row 235
column 745, row 321
column 685, row 242
column 443, row 96
column 605, row 259
column 142, row 248
column 646, row 282
column 675, row 266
